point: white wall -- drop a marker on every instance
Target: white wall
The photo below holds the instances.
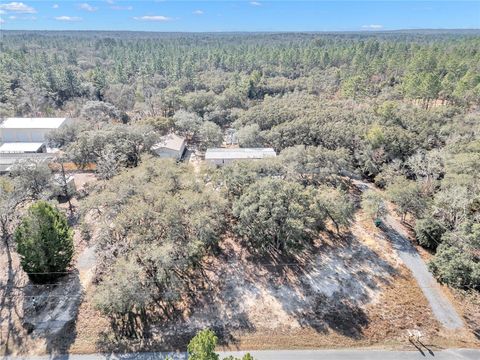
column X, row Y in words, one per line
column 166, row 153
column 23, row 135
column 225, row 161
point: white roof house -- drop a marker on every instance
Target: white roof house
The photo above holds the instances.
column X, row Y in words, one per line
column 26, row 135
column 220, row 156
column 170, row 146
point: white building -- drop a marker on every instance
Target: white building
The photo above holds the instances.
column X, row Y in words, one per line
column 9, row 160
column 219, row 156
column 28, row 130
column 25, row 139
column 170, row 146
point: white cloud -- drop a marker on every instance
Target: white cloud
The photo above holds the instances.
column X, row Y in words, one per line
column 68, row 18
column 18, row 7
column 110, row 2
column 153, row 18
column 55, row 6
column 198, row 12
column 2, row 11
column 116, row 7
column 372, row 26
column 87, row 7
column 1, row 21
column 28, row 17
column 255, row 3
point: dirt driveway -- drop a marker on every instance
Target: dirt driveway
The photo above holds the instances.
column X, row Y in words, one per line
column 441, row 306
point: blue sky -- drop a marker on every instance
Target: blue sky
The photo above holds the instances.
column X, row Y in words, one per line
column 231, row 15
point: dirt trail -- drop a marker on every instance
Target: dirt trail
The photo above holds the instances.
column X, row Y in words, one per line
column 86, row 265
column 441, row 306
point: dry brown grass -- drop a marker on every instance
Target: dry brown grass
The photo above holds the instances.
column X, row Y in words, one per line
column 89, row 327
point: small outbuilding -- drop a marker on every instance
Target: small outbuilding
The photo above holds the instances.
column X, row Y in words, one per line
column 170, row 146
column 220, row 156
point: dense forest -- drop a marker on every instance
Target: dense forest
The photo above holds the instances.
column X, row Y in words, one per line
column 398, row 109
column 213, row 74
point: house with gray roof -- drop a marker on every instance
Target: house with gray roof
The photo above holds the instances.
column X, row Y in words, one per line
column 170, row 146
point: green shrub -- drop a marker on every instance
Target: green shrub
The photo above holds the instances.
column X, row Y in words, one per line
column 456, row 267
column 202, row 346
column 428, row 232
column 275, row 214
column 44, row 242
column 374, row 205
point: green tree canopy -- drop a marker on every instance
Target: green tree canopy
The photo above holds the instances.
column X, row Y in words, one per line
column 407, row 196
column 44, row 242
column 160, row 221
column 275, row 214
column 202, row 346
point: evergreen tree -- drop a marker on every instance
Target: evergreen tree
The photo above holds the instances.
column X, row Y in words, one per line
column 44, row 242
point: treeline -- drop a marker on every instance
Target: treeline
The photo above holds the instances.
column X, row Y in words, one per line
column 42, row 73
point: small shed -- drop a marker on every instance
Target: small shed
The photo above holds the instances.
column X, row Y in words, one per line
column 220, row 156
column 170, row 146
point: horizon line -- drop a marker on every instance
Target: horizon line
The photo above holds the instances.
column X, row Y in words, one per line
column 248, row 31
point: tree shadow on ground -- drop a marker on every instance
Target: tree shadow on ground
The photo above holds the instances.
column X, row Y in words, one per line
column 398, row 240
column 225, row 318
column 474, row 326
column 327, row 286
column 11, row 337
column 51, row 311
column 34, row 312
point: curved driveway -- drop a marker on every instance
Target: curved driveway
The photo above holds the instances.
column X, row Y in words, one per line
column 442, row 307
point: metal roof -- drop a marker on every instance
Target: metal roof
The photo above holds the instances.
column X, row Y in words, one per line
column 31, row 123
column 240, row 153
column 20, row 147
column 170, row 141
